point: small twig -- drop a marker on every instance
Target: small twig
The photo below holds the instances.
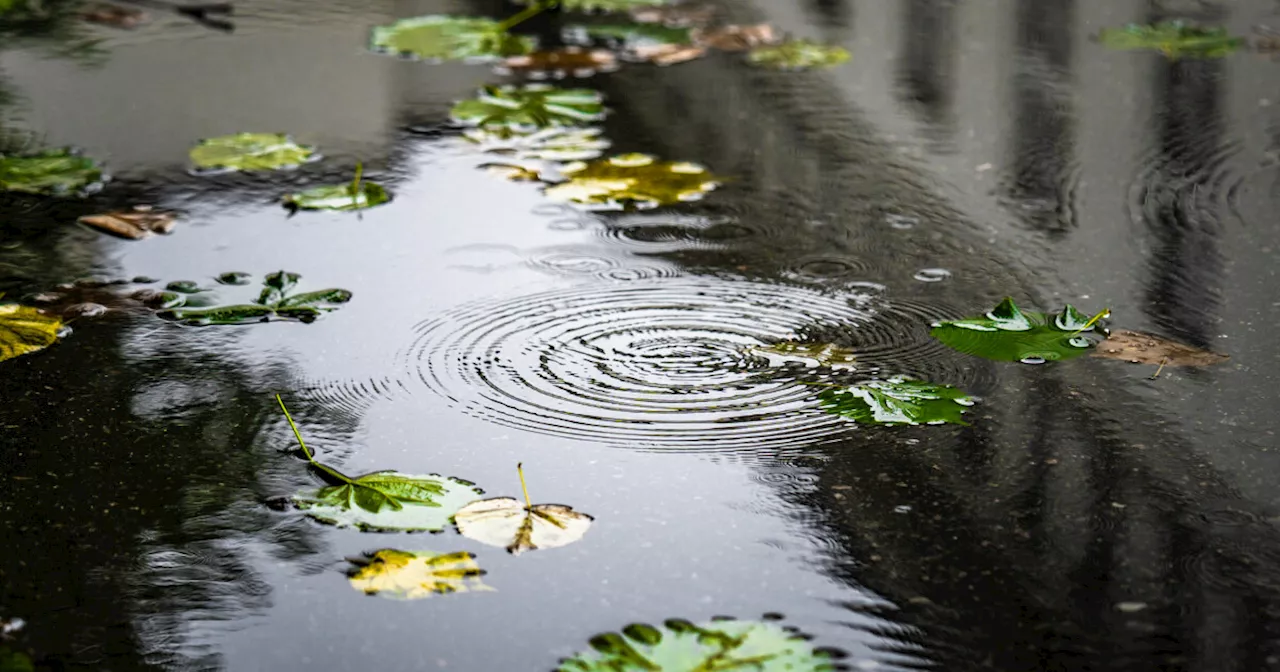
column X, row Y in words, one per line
column 1157, row 373
column 528, row 505
column 307, row 451
column 538, row 7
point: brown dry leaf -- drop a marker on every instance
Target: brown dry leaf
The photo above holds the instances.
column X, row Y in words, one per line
column 561, row 63
column 667, row 54
column 114, row 16
column 134, row 224
column 674, row 16
column 735, row 38
column 1140, row 348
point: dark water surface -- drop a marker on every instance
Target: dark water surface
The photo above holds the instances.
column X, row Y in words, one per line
column 1089, row 519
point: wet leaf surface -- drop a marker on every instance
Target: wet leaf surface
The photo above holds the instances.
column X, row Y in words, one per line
column 898, row 401
column 549, row 144
column 136, row 224
column 681, row 646
column 1140, row 348
column 808, row 354
column 449, row 38
column 339, row 197
column 275, row 302
column 24, row 330
column 508, row 523
column 416, row 575
column 530, row 107
column 250, row 151
column 797, row 55
column 389, row 501
column 1008, row 334
column 631, row 180
column 1174, row 39
column 561, row 63
column 57, row 172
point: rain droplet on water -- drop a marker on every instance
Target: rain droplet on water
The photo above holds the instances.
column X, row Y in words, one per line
column 901, row 221
column 932, row 274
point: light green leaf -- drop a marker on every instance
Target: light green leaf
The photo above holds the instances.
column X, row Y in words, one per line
column 631, row 180
column 530, row 107
column 797, row 55
column 338, row 197
column 415, row 575
column 898, row 401
column 1174, row 39
column 449, row 38
column 58, row 172
column 387, row 500
column 24, row 330
column 548, row 144
column 1010, row 335
column 717, row 646
column 603, row 5
column 250, row 151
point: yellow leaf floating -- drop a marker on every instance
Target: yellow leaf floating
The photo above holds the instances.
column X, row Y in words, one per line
column 24, row 329
column 414, row 575
column 638, row 180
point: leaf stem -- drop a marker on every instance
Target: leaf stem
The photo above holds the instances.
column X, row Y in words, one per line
column 1106, row 312
column 1163, row 361
column 538, row 7
column 355, row 184
column 528, row 505
column 305, row 450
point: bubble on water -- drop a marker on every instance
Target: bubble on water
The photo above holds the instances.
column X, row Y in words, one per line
column 932, row 274
column 901, row 221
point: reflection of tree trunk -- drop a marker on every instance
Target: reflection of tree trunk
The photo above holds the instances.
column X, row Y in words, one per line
column 927, row 63
column 1043, row 164
column 837, row 13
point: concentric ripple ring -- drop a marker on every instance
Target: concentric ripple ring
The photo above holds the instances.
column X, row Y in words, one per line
column 657, row 363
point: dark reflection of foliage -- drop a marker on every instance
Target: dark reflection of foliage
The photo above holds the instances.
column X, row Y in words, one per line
column 926, row 74
column 54, row 27
column 135, row 488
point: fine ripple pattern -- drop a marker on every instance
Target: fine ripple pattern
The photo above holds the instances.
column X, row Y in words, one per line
column 657, row 364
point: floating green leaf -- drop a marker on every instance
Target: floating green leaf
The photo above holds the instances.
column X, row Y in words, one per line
column 809, row 354
column 602, row 5
column 1010, row 335
column 338, row 197
column 450, row 38
column 415, row 575
column 548, row 144
column 250, row 151
column 797, row 55
column 717, row 646
column 57, row 172
column 275, row 302
column 636, row 180
column 897, row 401
column 530, row 107
column 1174, row 39
column 24, row 330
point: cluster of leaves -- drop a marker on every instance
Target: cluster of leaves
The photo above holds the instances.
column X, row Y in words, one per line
column 276, row 302
column 1175, row 39
column 1009, row 334
column 679, row 645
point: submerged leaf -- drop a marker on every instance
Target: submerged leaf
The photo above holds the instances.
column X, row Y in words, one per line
column 548, row 144
column 797, row 55
column 250, row 151
column 338, row 197
column 24, row 330
column 415, row 575
column 507, row 523
column 631, row 179
column 447, row 38
column 1010, row 335
column 809, row 354
column 898, row 401
column 58, row 172
column 1174, row 39
column 1140, row 348
column 387, row 500
column 136, row 224
column 530, row 107
column 681, row 646
column 561, row 63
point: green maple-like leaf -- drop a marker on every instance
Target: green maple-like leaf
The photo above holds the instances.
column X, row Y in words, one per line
column 250, row 151
column 636, row 180
column 1174, row 39
column 275, row 302
column 898, row 401
column 387, row 500
column 1011, row 335
column 338, row 197
column 530, row 107
column 450, row 38
column 24, row 330
column 603, row 5
column 58, row 172
column 718, row 646
column 797, row 55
